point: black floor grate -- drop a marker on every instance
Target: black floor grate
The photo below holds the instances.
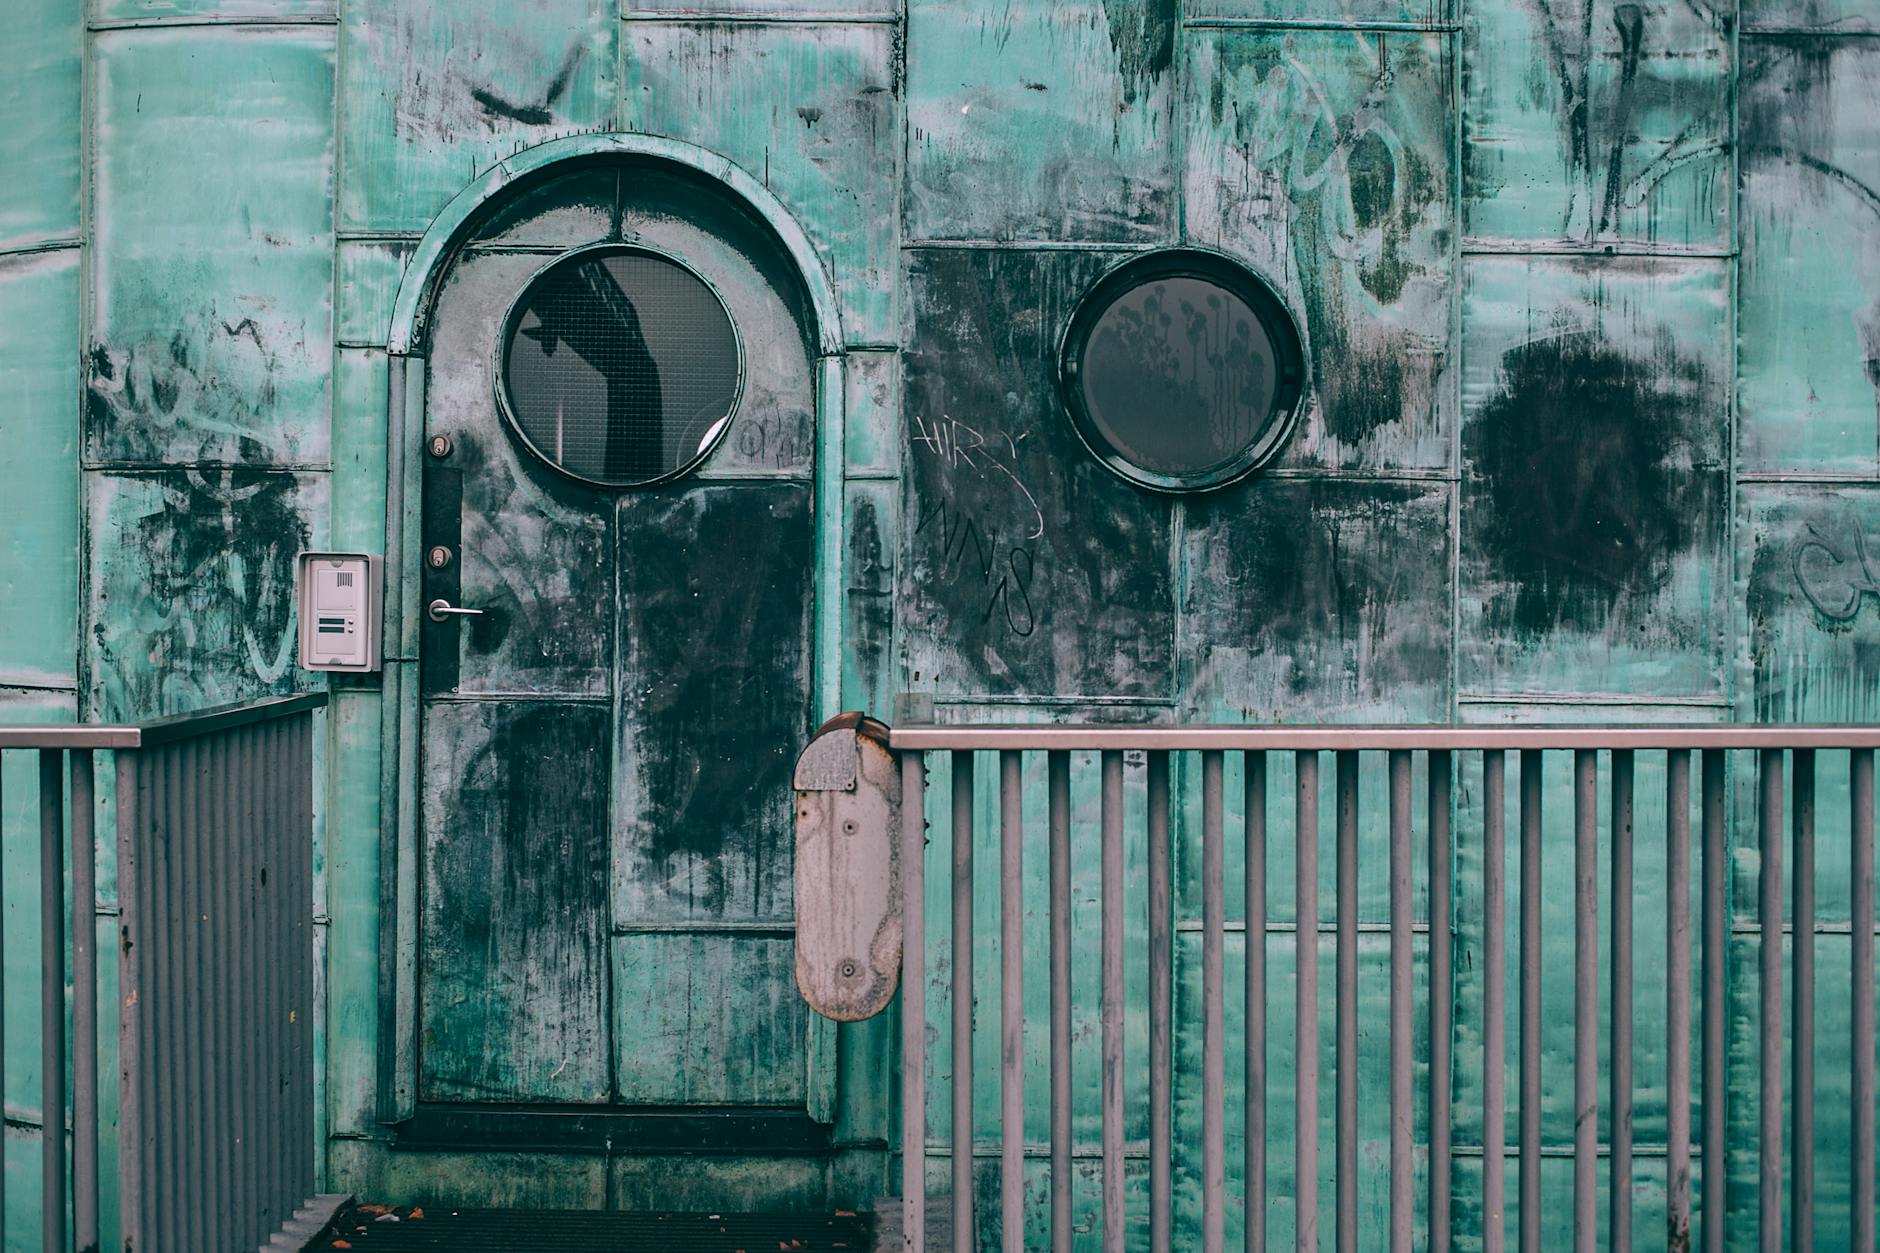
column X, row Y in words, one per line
column 395, row 1230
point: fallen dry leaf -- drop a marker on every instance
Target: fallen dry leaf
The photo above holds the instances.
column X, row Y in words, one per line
column 342, row 1244
column 416, row 1213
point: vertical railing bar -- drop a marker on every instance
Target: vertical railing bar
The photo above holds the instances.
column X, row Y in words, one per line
column 1441, row 995
column 1769, row 923
column 1619, row 1194
column 196, row 977
column 1715, row 959
column 913, row 1003
column 301, row 848
column 961, row 1135
column 1802, row 1009
column 266, row 1058
column 1213, row 1008
column 281, row 829
column 163, row 1039
column 1058, row 769
column 52, row 996
column 1494, row 998
column 239, row 767
column 303, row 964
column 3, row 1199
column 1254, row 817
column 132, row 1009
column 211, row 778
column 1112, row 1007
column 1161, row 1005
column 250, row 1072
column 239, row 1003
column 243, row 786
column 1345, row 1024
column 281, row 890
column 165, row 985
column 192, row 978
column 1531, row 958
column 1402, row 1010
column 84, row 1002
column 1585, row 999
column 1011, row 1004
column 281, row 881
column 1677, row 999
column 268, row 906
column 224, row 911
column 1860, row 787
column 1306, row 1001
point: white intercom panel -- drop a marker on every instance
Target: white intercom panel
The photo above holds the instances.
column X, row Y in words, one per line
column 340, row 597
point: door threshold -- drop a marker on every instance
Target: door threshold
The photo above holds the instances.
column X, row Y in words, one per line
column 620, row 1131
column 407, row 1229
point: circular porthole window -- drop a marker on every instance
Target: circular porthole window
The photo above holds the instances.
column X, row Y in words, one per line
column 1182, row 371
column 619, row 366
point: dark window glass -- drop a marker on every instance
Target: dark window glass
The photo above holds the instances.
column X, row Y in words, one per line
column 620, row 367
column 1182, row 371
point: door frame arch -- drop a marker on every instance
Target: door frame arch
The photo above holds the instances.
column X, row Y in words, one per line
column 408, row 348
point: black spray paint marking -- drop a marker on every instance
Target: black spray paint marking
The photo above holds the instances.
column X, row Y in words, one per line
column 532, row 114
column 1361, row 194
column 780, row 440
column 1010, row 582
column 1630, row 21
column 1836, row 592
column 1142, row 35
column 1587, row 494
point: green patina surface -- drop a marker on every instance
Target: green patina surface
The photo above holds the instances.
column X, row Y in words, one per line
column 1591, row 298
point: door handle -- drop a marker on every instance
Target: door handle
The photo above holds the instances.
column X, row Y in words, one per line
column 442, row 610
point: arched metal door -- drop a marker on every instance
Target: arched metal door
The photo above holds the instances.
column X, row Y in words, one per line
column 605, row 909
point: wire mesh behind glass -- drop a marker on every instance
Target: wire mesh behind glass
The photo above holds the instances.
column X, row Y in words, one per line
column 620, row 366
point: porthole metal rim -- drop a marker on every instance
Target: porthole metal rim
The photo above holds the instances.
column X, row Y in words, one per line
column 1265, row 302
column 500, row 375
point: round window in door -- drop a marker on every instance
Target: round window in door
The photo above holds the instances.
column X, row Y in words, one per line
column 1182, row 370
column 619, row 366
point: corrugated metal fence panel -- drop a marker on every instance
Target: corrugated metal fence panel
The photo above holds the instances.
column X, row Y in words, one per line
column 215, row 880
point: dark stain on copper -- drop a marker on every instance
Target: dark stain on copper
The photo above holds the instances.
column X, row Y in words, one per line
column 1587, row 482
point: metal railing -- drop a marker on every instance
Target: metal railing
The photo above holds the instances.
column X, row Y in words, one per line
column 1723, row 752
column 215, row 976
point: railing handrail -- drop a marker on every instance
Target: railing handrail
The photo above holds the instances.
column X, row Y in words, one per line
column 1780, row 827
column 1194, row 737
column 84, row 735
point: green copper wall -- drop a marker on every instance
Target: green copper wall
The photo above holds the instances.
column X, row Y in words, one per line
column 1591, row 294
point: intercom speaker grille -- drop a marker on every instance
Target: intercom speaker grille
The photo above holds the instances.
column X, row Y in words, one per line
column 620, row 367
